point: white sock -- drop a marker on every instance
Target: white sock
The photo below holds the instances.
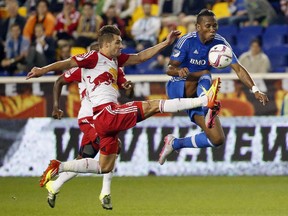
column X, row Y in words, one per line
column 179, row 104
column 62, row 178
column 86, row 165
column 106, row 185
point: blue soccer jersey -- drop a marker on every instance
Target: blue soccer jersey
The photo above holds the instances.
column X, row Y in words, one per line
column 193, row 54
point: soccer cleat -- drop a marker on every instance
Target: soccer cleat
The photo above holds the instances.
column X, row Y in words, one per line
column 50, row 172
column 212, row 113
column 212, row 93
column 167, row 148
column 106, row 201
column 51, row 194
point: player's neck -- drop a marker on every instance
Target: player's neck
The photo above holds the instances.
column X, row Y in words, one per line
column 105, row 53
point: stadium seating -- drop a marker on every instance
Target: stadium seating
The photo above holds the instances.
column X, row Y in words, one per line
column 246, row 34
column 274, row 35
column 236, row 50
column 4, row 73
column 279, row 58
column 229, row 32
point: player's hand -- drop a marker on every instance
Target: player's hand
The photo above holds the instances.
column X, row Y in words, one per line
column 261, row 97
column 183, row 72
column 129, row 87
column 35, row 72
column 172, row 36
column 57, row 113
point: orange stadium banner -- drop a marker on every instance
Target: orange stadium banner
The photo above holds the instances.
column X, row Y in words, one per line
column 28, row 100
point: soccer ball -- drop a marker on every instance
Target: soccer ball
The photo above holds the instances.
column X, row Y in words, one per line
column 220, row 56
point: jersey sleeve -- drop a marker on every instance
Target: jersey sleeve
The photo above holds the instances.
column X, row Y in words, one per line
column 122, row 59
column 73, row 75
column 179, row 51
column 234, row 57
column 87, row 60
column 121, row 77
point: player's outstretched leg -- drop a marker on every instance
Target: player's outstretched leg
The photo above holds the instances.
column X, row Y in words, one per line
column 208, row 99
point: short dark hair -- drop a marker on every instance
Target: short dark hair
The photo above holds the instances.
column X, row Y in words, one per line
column 204, row 12
column 44, row 1
column 256, row 40
column 106, row 33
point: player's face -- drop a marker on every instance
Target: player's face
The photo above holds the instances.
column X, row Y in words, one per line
column 115, row 46
column 255, row 48
column 207, row 28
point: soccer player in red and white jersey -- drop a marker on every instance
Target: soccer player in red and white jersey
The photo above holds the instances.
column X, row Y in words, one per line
column 89, row 146
column 100, row 75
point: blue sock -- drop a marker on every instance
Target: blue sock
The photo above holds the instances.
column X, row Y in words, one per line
column 205, row 81
column 199, row 141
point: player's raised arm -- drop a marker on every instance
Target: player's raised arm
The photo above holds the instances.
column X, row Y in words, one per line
column 56, row 66
column 152, row 51
column 57, row 88
column 245, row 77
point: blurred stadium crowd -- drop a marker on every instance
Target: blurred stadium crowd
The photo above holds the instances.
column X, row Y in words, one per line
column 36, row 33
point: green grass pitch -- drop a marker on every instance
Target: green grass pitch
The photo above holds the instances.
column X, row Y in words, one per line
column 149, row 196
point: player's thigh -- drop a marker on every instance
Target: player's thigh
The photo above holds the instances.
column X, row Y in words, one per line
column 107, row 162
column 216, row 134
column 175, row 89
column 190, row 89
column 88, row 130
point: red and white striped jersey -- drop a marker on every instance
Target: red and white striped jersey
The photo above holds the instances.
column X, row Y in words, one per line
column 100, row 74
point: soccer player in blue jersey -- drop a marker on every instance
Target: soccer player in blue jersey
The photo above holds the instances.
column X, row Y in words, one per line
column 189, row 69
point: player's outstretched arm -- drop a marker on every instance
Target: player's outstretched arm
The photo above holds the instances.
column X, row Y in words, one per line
column 152, row 51
column 245, row 77
column 57, row 88
column 56, row 66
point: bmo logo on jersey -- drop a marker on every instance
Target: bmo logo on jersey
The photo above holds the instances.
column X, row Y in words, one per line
column 198, row 62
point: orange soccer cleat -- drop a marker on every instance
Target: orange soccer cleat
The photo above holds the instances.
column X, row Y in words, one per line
column 211, row 115
column 51, row 171
column 212, row 93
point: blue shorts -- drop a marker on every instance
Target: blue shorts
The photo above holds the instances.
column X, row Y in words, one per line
column 176, row 89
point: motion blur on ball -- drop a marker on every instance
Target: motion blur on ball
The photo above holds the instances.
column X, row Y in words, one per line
column 220, row 56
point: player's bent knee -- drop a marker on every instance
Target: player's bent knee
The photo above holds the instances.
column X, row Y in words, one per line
column 87, row 151
column 106, row 169
column 218, row 141
column 107, row 162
